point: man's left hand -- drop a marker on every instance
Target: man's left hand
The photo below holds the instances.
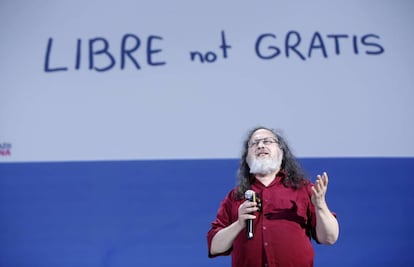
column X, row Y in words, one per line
column 319, row 190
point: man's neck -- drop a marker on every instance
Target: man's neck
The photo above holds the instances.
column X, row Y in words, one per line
column 266, row 179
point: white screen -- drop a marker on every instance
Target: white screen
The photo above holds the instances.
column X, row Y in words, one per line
column 338, row 80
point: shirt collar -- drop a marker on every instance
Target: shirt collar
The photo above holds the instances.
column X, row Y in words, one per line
column 280, row 176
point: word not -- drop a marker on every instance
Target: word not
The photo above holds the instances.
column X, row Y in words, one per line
column 98, row 49
column 210, row 56
column 5, row 149
column 293, row 45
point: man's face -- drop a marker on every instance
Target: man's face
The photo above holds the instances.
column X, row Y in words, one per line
column 264, row 155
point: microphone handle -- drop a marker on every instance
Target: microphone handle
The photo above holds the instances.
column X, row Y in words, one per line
column 250, row 195
column 249, row 228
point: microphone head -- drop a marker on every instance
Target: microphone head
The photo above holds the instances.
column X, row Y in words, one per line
column 249, row 195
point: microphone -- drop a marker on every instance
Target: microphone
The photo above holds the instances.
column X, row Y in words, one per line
column 250, row 195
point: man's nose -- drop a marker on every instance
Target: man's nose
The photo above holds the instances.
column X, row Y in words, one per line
column 260, row 143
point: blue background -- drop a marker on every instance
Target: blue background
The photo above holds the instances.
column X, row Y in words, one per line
column 157, row 213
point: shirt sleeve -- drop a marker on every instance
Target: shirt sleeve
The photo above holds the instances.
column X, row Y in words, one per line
column 311, row 227
column 223, row 219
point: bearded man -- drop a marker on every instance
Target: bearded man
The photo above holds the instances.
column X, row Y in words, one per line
column 288, row 210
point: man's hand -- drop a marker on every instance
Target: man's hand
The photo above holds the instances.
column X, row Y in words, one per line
column 319, row 190
column 246, row 210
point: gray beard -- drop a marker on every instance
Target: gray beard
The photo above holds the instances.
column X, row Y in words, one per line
column 264, row 166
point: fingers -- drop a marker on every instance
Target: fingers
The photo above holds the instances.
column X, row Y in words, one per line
column 322, row 179
column 319, row 190
column 247, row 209
column 314, row 191
column 248, row 216
column 326, row 179
column 321, row 184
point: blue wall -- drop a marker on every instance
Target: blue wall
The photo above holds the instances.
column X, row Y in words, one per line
column 157, row 213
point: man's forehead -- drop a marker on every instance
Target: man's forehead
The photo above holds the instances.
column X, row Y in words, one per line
column 262, row 133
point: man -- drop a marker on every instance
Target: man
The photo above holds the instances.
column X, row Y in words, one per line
column 291, row 210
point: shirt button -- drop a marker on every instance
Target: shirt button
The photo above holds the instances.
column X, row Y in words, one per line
column 265, row 243
column 264, row 227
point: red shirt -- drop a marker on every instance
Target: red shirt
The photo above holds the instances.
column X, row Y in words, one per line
column 282, row 229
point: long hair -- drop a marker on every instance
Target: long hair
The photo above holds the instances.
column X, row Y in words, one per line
column 294, row 178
